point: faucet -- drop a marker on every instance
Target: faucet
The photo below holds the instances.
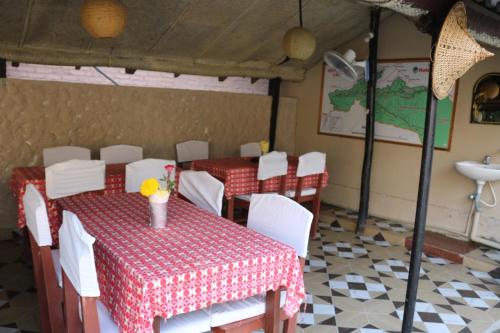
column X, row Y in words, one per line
column 487, row 159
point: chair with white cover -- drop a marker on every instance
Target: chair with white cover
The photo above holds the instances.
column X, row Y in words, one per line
column 251, row 149
column 139, row 171
column 46, row 266
column 74, row 177
column 310, row 164
column 121, row 154
column 274, row 164
column 283, row 220
column 64, row 153
column 202, row 189
column 191, row 150
column 81, row 288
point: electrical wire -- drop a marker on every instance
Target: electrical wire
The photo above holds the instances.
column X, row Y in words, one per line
column 494, row 198
column 106, row 76
column 300, row 13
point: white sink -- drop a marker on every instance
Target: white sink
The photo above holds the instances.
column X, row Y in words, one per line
column 479, row 171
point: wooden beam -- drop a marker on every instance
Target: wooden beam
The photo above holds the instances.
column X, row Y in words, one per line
column 3, row 68
column 364, row 195
column 422, row 202
column 274, row 92
column 209, row 68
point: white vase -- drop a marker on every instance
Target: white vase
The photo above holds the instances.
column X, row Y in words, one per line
column 158, row 208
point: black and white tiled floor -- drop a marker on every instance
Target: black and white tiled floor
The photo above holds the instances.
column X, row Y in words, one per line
column 354, row 284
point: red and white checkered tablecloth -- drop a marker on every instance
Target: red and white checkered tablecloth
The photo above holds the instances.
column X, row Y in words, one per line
column 239, row 175
column 22, row 176
column 199, row 259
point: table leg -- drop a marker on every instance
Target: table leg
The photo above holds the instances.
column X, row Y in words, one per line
column 156, row 325
column 290, row 325
column 272, row 311
column 230, row 209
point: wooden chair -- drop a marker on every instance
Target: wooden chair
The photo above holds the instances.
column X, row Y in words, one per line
column 121, row 154
column 64, row 153
column 137, row 172
column 74, row 177
column 274, row 164
column 191, row 150
column 81, row 288
column 202, row 189
column 283, row 220
column 46, row 266
column 310, row 164
column 251, row 149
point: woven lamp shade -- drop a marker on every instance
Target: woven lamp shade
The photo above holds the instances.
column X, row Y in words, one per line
column 456, row 52
column 299, row 43
column 103, row 18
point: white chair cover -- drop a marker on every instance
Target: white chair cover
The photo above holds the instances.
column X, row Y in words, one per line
column 73, row 177
column 202, row 189
column 311, row 164
column 282, row 219
column 36, row 216
column 272, row 165
column 251, row 149
column 192, row 150
column 77, row 256
column 64, row 153
column 137, row 172
column 121, row 154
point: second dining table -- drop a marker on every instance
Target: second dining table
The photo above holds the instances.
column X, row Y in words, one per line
column 198, row 260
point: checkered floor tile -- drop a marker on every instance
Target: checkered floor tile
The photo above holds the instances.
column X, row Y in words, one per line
column 475, row 295
column 377, row 239
column 316, row 263
column 435, row 318
column 317, row 310
column 395, row 268
column 357, row 286
column 335, row 226
column 492, row 254
column 391, row 226
column 345, row 250
column 492, row 277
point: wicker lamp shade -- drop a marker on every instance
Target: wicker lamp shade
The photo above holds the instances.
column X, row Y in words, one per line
column 299, row 43
column 103, row 18
column 456, row 52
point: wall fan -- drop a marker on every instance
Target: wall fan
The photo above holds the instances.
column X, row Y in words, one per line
column 345, row 64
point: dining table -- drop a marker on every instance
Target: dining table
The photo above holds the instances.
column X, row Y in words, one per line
column 197, row 260
column 239, row 175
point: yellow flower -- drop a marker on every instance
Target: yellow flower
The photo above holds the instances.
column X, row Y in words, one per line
column 149, row 187
column 264, row 146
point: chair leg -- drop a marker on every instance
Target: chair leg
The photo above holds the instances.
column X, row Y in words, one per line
column 290, row 324
column 315, row 211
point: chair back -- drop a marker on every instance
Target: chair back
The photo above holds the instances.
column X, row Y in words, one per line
column 251, row 149
column 74, row 177
column 121, row 154
column 271, row 165
column 202, row 189
column 36, row 216
column 64, row 153
column 281, row 219
column 192, row 150
column 80, row 284
column 312, row 163
column 137, row 172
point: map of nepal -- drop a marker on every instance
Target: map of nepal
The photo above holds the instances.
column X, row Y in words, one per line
column 397, row 104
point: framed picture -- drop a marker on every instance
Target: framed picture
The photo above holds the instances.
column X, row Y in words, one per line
column 486, row 100
column 400, row 107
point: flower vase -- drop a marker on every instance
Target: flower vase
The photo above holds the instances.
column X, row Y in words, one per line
column 158, row 211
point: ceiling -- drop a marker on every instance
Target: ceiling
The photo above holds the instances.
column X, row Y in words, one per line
column 207, row 37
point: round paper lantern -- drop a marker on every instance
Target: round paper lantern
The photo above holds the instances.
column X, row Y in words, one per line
column 103, row 18
column 299, row 43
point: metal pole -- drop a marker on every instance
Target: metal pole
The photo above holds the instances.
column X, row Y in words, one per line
column 364, row 196
column 274, row 92
column 422, row 202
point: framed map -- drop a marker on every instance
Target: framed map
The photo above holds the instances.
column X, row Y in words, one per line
column 400, row 104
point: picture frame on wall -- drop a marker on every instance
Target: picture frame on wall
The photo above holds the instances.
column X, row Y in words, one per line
column 401, row 99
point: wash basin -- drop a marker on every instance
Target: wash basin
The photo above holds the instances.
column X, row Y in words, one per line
column 479, row 171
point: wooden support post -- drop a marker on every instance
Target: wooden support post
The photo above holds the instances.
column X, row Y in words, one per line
column 364, row 195
column 274, row 92
column 3, row 68
column 422, row 202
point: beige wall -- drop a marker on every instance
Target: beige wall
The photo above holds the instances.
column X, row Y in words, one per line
column 396, row 167
column 34, row 115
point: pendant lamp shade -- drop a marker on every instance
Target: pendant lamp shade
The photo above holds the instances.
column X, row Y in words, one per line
column 299, row 43
column 103, row 18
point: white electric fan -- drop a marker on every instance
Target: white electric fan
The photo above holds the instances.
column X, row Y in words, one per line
column 345, row 64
